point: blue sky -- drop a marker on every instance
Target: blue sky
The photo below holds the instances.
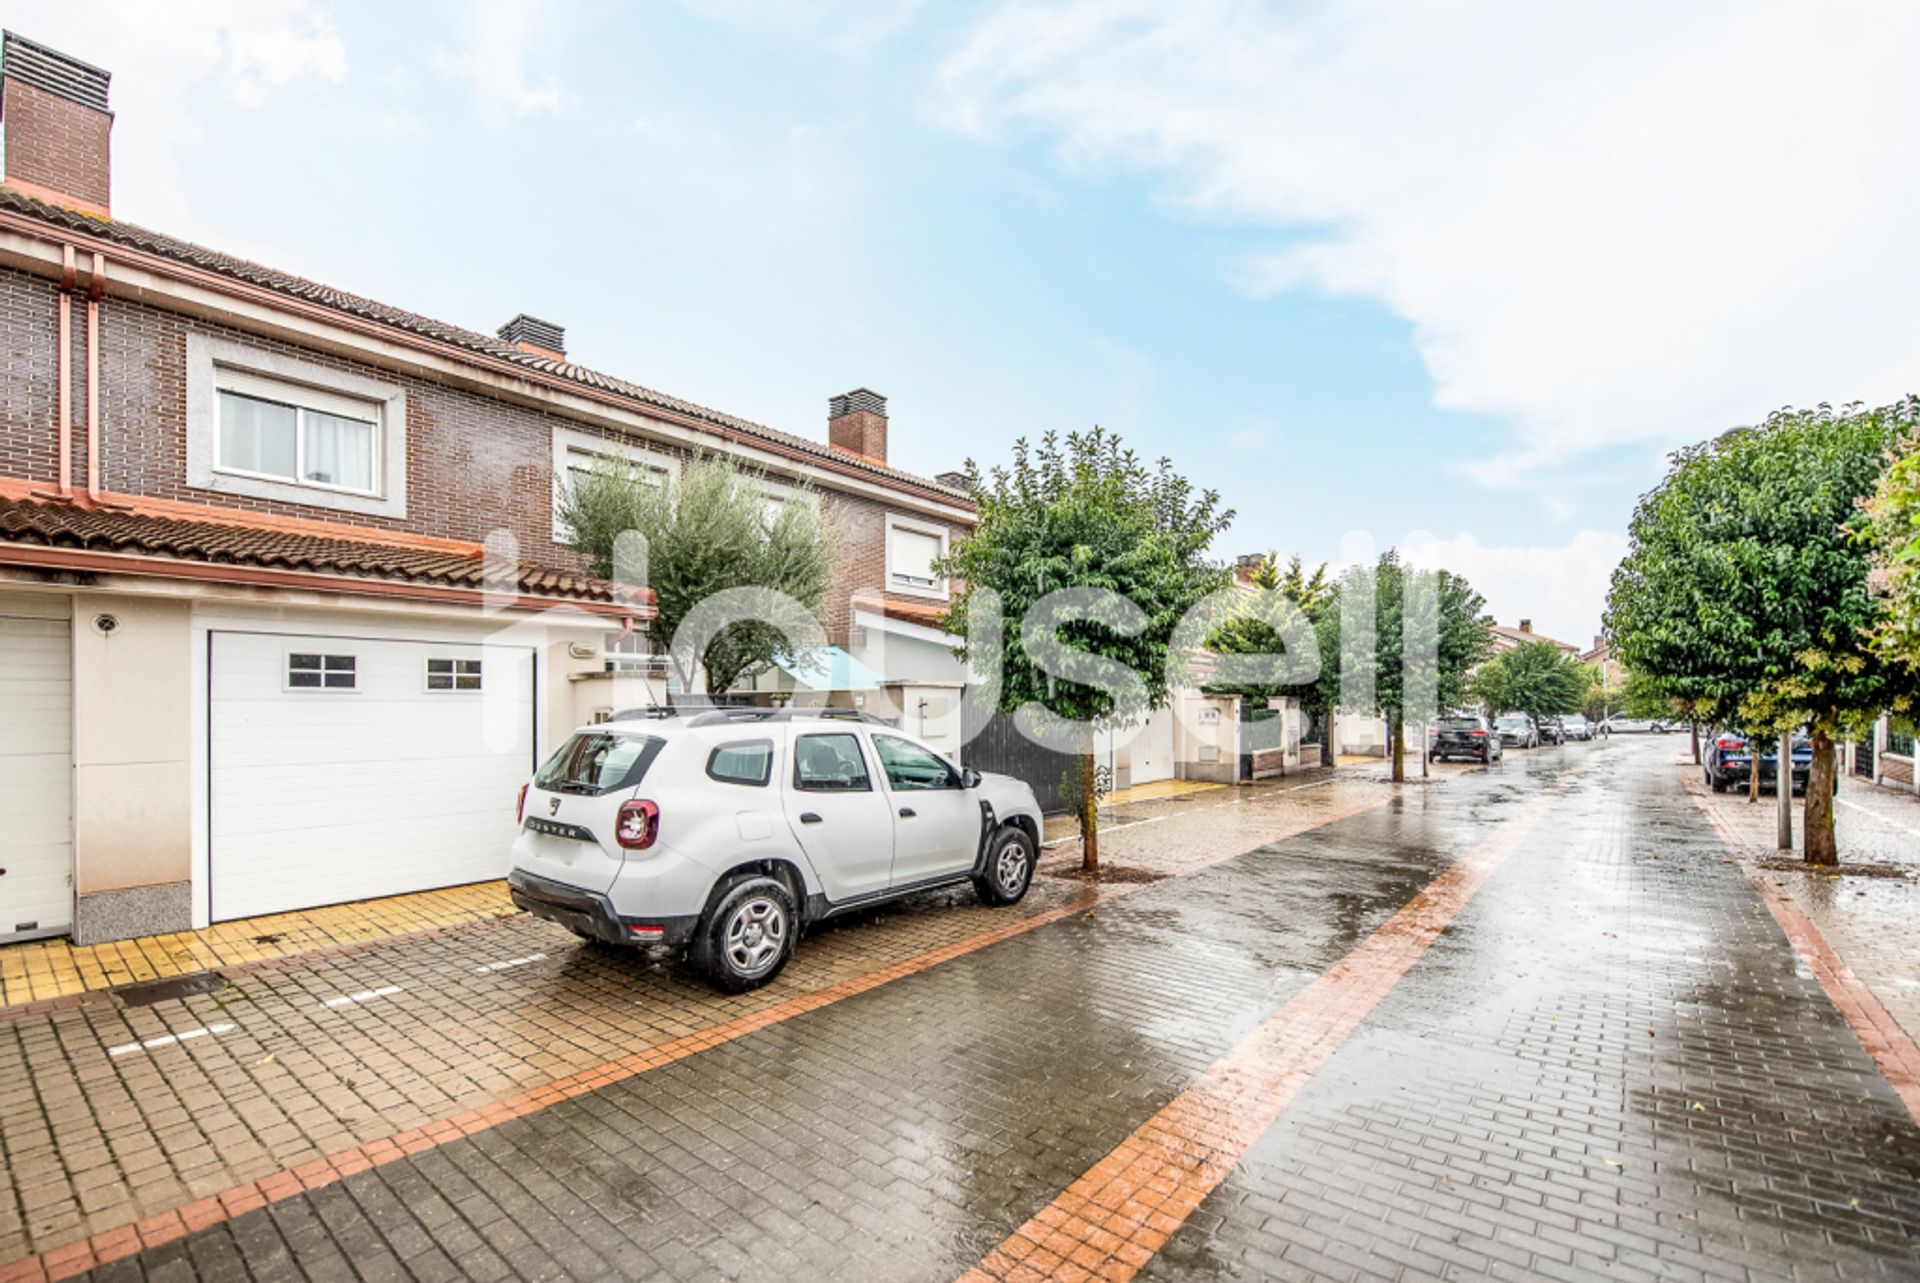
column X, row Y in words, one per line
column 1450, row 277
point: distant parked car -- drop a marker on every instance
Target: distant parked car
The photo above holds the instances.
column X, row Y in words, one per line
column 1576, row 726
column 1517, row 730
column 1469, row 737
column 1728, row 762
column 1620, row 725
column 1551, row 732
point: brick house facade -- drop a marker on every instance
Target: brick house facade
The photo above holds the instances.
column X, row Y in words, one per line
column 146, row 576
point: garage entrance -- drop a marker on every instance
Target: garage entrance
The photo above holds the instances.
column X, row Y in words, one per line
column 36, row 766
column 346, row 768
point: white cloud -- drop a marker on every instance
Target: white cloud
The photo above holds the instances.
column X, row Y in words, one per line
column 500, row 37
column 164, row 58
column 1608, row 223
column 1562, row 588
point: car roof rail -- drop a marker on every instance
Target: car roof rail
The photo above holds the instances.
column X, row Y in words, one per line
column 653, row 713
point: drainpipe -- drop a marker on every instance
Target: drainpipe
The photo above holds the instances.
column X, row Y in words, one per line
column 63, row 411
column 96, row 286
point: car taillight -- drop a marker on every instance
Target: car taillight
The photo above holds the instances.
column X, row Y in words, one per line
column 638, row 825
column 1479, row 735
column 520, row 807
column 1729, row 743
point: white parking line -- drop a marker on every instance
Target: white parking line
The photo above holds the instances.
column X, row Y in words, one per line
column 167, row 1040
column 349, row 999
column 510, row 963
column 1113, row 828
column 1867, row 810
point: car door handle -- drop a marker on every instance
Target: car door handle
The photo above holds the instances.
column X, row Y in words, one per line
column 906, row 813
column 808, row 817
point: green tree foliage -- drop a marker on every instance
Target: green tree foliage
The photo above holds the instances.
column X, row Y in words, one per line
column 1895, row 513
column 1643, row 696
column 1432, row 683
column 1537, row 678
column 710, row 530
column 1248, row 630
column 1084, row 512
column 1745, row 590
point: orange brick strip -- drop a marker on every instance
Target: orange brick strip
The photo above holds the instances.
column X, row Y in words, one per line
column 1891, row 1047
column 1111, row 1221
column 127, row 1240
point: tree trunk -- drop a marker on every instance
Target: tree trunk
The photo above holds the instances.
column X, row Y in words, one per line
column 1399, row 732
column 1695, row 728
column 1818, row 838
column 1753, row 769
column 1089, row 819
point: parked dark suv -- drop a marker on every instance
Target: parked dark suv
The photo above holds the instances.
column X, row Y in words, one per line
column 1728, row 762
column 1464, row 737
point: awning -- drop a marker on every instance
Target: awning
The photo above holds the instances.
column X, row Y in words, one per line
column 828, row 668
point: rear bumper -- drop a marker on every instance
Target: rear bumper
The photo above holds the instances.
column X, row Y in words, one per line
column 590, row 913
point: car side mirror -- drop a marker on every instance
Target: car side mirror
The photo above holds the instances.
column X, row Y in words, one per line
column 969, row 778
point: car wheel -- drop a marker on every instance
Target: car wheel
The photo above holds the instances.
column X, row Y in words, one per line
column 1717, row 784
column 747, row 936
column 1009, row 868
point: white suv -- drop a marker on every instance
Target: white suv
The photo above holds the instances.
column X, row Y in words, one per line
column 728, row 831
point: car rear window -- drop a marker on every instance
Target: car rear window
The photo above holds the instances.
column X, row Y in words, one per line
column 596, row 762
column 745, row 762
column 1459, row 723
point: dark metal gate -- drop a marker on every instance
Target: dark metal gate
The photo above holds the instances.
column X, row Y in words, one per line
column 1000, row 747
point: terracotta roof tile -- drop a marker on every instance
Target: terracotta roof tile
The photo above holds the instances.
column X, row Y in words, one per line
column 88, row 527
column 139, row 238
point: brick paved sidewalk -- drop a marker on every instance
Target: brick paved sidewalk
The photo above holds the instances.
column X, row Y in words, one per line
column 1872, row 923
column 321, row 1055
column 39, row 971
column 927, row 1080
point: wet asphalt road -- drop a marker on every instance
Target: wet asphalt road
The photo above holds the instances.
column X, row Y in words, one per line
column 1608, row 1065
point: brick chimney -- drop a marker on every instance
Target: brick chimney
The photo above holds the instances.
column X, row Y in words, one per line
column 531, row 334
column 55, row 129
column 857, row 423
column 1526, row 625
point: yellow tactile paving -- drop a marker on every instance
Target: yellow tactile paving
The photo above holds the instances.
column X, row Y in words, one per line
column 1155, row 791
column 41, row 969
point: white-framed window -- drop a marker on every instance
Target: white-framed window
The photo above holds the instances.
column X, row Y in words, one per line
column 912, row 549
column 273, row 426
column 311, row 671
column 574, row 455
column 444, row 674
column 299, row 435
column 632, row 652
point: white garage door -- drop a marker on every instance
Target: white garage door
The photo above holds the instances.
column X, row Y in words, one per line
column 36, row 767
column 348, row 768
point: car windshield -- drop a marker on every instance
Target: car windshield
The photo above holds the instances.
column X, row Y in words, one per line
column 596, row 762
column 1512, row 720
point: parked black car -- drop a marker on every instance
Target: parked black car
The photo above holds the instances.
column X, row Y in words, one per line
column 1551, row 731
column 1728, row 762
column 1469, row 737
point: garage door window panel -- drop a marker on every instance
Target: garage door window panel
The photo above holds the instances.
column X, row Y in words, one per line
column 307, row 670
column 453, row 674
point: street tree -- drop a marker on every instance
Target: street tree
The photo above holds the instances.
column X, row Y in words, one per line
column 1536, row 678
column 1745, row 590
column 711, row 535
column 1252, row 630
column 1391, row 677
column 1895, row 513
column 1095, row 559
